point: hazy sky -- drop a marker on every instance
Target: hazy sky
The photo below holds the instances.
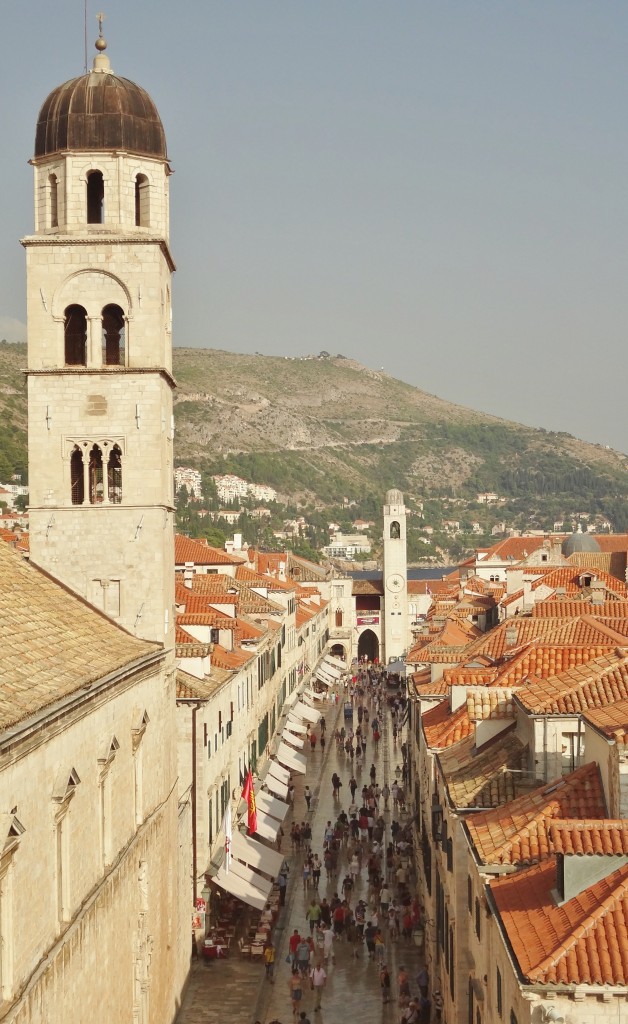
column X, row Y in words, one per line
column 436, row 188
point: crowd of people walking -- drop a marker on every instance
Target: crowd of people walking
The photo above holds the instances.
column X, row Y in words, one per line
column 357, row 875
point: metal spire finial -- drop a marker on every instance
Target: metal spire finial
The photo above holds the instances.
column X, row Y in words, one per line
column 101, row 42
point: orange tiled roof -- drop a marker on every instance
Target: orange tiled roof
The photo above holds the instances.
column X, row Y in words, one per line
column 597, row 684
column 516, row 548
column 569, row 576
column 518, row 832
column 303, row 615
column 200, row 553
column 257, row 579
column 612, row 720
column 488, row 778
column 558, row 606
column 222, row 658
column 493, row 703
column 442, row 728
column 606, row 837
column 582, row 942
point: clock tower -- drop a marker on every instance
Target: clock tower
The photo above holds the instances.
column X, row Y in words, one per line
column 395, row 624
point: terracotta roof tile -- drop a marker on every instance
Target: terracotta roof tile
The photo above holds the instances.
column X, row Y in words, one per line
column 570, row 577
column 200, row 553
column 483, row 704
column 582, row 942
column 441, row 728
column 605, row 837
column 53, row 643
column 597, row 684
column 612, row 720
column 518, row 832
column 561, row 607
column 516, row 548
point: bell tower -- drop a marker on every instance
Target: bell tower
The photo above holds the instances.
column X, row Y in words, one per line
column 99, row 370
column 395, row 631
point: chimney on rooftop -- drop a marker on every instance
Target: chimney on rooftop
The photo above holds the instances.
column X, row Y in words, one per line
column 188, row 573
column 598, row 592
column 512, row 635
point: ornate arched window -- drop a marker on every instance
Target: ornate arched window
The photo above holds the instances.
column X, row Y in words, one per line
column 96, row 483
column 75, row 336
column 113, row 336
column 95, row 198
column 114, row 475
column 77, row 476
column 395, row 531
column 338, row 617
column 142, row 201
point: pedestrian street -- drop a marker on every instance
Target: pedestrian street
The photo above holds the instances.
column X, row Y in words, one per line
column 236, row 990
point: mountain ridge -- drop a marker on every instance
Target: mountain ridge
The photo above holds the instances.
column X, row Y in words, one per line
column 324, row 427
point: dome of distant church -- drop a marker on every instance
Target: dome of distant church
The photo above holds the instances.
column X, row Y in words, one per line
column 579, row 542
column 394, row 497
column 100, row 111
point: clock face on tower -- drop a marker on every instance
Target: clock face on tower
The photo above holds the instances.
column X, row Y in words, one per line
column 395, row 582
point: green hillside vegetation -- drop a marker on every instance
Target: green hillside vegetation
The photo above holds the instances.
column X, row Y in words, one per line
column 320, row 429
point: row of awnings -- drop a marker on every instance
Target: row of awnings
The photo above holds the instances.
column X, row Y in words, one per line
column 252, row 861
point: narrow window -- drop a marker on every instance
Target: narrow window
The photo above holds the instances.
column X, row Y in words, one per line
column 113, row 336
column 76, row 476
column 62, row 843
column 96, row 489
column 395, row 531
column 53, row 193
column 75, row 336
column 478, row 919
column 498, row 985
column 338, row 617
column 95, row 198
column 142, row 207
column 114, row 475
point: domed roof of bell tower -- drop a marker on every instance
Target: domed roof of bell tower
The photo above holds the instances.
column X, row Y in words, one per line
column 394, row 497
column 100, row 111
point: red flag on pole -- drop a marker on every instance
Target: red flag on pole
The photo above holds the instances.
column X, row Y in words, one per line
column 248, row 794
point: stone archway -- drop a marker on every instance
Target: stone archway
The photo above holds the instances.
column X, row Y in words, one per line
column 368, row 645
column 338, row 651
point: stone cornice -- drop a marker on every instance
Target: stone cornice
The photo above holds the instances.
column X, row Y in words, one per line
column 99, row 238
column 62, row 371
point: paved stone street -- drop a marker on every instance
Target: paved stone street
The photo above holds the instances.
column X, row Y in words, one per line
column 236, row 991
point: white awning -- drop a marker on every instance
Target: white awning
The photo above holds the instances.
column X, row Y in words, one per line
column 263, row 885
column 278, row 772
column 324, row 671
column 267, row 827
column 313, row 696
column 289, row 757
column 276, row 808
column 324, row 680
column 237, row 887
column 307, row 713
column 294, row 725
column 256, row 855
column 331, row 669
column 275, row 786
column 336, row 662
column 294, row 741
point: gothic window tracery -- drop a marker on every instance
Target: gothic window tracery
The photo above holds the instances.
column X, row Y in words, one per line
column 96, row 488
column 77, row 476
